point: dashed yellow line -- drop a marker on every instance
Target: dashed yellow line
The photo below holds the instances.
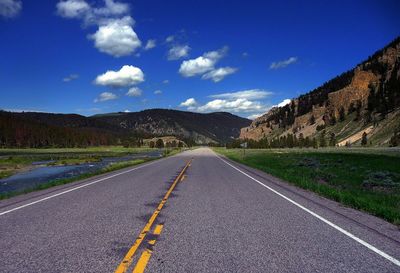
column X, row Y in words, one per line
column 127, row 261
column 145, row 257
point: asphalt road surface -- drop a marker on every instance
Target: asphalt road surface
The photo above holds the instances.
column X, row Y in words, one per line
column 175, row 214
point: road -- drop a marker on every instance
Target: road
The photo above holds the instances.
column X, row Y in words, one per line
column 193, row 212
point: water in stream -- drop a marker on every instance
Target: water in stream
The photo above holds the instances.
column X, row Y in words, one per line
column 44, row 174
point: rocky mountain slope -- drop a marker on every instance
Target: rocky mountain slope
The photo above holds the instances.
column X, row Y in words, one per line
column 364, row 99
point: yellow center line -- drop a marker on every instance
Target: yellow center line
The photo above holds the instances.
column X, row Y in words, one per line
column 158, row 229
column 127, row 261
column 146, row 255
column 143, row 260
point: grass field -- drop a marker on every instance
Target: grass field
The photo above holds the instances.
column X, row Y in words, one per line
column 365, row 179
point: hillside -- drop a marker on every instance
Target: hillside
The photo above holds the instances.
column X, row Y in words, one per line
column 31, row 129
column 365, row 99
column 202, row 128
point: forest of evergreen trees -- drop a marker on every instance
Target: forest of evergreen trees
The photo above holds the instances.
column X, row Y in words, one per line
column 17, row 132
column 288, row 141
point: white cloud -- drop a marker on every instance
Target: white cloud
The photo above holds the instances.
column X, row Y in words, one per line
column 126, row 76
column 246, row 101
column 72, row 8
column 165, row 82
column 284, row 102
column 127, row 111
column 91, row 15
column 116, row 37
column 111, row 8
column 283, row 64
column 134, row 92
column 219, row 74
column 238, row 105
column 71, row 77
column 251, row 94
column 158, row 92
column 202, row 64
column 191, row 102
column 254, row 116
column 10, row 8
column 105, row 96
column 178, row 51
column 169, row 39
column 150, row 44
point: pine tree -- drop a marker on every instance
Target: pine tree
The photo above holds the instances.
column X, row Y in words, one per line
column 332, row 140
column 364, row 139
column 160, row 143
column 342, row 115
column 322, row 140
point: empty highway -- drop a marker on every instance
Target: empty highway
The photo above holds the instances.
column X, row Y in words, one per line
column 192, row 212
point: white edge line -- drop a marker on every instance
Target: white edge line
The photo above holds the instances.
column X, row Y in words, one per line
column 345, row 232
column 76, row 188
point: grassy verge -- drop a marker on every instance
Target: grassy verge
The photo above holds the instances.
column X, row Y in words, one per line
column 369, row 181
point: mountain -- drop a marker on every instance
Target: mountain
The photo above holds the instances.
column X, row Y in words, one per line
column 365, row 99
column 34, row 129
column 202, row 128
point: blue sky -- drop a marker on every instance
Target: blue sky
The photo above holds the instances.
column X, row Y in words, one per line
column 90, row 57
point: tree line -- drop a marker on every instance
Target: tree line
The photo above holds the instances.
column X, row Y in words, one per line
column 292, row 141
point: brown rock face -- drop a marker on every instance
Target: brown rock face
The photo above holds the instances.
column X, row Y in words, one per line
column 358, row 90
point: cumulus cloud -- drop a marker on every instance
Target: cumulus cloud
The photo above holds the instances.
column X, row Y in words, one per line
column 178, row 51
column 165, row 82
column 127, row 111
column 219, row 74
column 251, row 94
column 72, row 8
column 105, row 96
column 71, row 77
column 157, row 92
column 128, row 75
column 284, row 63
column 205, row 66
column 238, row 105
column 245, row 101
column 10, row 8
column 188, row 103
column 150, row 44
column 202, row 64
column 115, row 35
column 134, row 92
column 91, row 15
column 111, row 8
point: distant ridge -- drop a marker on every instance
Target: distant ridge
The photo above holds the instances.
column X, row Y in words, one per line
column 37, row 129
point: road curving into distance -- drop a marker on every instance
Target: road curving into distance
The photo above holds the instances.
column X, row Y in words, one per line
column 193, row 212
